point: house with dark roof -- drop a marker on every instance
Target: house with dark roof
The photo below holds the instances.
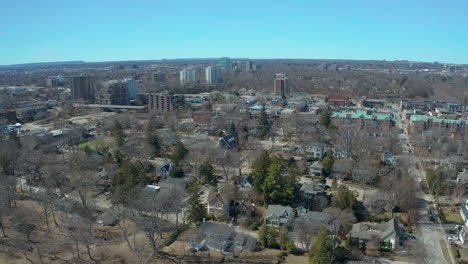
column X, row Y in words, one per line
column 278, row 215
column 215, row 205
column 246, row 183
column 390, row 233
column 241, row 208
column 229, row 141
column 311, row 189
column 389, row 159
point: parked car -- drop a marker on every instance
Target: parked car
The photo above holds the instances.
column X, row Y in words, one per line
column 453, row 238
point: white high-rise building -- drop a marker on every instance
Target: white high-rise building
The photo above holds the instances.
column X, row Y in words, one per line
column 187, row 76
column 133, row 86
column 213, row 74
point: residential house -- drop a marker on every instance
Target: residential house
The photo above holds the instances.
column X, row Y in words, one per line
column 311, row 189
column 464, row 212
column 215, row 204
column 229, row 141
column 246, row 183
column 245, row 242
column 463, row 176
column 463, row 235
column 316, row 169
column 278, row 215
column 338, row 101
column 241, row 208
column 315, row 151
column 390, row 233
column 389, row 159
column 213, row 236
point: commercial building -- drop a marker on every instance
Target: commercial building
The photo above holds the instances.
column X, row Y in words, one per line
column 225, row 63
column 281, row 84
column 83, row 87
column 52, row 82
column 213, row 74
column 114, row 93
column 164, row 102
column 187, row 76
column 132, row 86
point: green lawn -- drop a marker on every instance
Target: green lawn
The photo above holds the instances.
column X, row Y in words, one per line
column 452, row 215
column 97, row 143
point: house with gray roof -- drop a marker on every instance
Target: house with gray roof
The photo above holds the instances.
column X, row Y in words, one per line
column 214, row 236
column 316, row 169
column 311, row 189
column 464, row 212
column 278, row 215
column 389, row 233
column 245, row 242
column 314, row 150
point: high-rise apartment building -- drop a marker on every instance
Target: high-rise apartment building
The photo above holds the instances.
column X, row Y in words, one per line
column 132, row 86
column 249, row 66
column 114, row 93
column 213, row 74
column 281, row 84
column 225, row 63
column 187, row 76
column 159, row 76
column 52, row 81
column 164, row 102
column 83, row 87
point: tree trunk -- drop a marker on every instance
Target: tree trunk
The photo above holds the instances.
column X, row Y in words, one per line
column 3, row 230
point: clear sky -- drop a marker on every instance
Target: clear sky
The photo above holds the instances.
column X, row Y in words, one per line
column 109, row 30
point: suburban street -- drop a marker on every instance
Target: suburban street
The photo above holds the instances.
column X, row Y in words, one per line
column 431, row 232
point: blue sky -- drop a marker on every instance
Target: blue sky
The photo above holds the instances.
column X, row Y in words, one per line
column 105, row 30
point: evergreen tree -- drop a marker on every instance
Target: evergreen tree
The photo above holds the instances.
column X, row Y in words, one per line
column 283, row 237
column 267, row 236
column 263, row 123
column 127, row 178
column 334, row 184
column 196, row 210
column 325, row 119
column 152, row 140
column 321, row 249
column 327, row 163
column 344, row 198
column 178, row 153
column 206, row 171
column 290, row 190
column 232, row 129
column 272, row 190
column 260, row 170
column 117, row 133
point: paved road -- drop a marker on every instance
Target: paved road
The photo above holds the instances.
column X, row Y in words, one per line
column 431, row 232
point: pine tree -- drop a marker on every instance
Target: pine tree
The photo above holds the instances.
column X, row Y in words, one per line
column 344, row 198
column 118, row 134
column 263, row 123
column 196, row 212
column 178, row 153
column 334, row 184
column 260, row 170
column 272, row 190
column 327, row 163
column 321, row 249
column 206, row 171
column 325, row 119
column 153, row 140
column 290, row 190
column 283, row 237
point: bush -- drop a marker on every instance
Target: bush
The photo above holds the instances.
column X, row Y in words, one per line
column 173, row 237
